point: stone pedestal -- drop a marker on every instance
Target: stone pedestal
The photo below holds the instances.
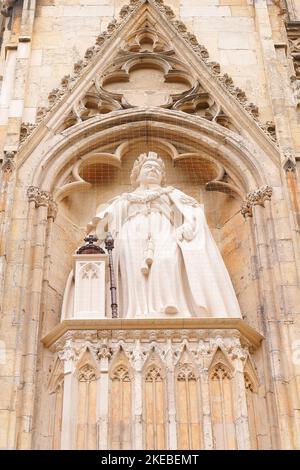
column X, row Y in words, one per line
column 154, row 384
column 85, row 293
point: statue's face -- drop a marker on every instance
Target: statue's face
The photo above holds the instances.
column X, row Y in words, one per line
column 150, row 173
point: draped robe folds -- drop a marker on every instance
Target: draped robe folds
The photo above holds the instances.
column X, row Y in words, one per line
column 186, row 277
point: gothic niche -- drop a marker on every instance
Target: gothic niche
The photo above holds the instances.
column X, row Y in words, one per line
column 102, row 174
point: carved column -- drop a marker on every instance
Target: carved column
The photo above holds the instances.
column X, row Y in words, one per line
column 6, row 202
column 288, row 324
column 271, row 309
column 172, row 434
column 137, row 393
column 205, row 397
column 238, row 357
column 39, row 201
column 104, row 355
column 68, row 428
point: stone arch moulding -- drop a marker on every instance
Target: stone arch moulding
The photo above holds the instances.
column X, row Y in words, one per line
column 210, row 97
column 88, row 141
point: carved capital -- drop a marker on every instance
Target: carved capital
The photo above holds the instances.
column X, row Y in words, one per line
column 254, row 198
column 32, row 193
column 42, row 198
column 38, row 196
column 8, row 165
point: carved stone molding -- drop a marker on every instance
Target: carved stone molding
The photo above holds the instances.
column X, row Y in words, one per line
column 201, row 338
column 108, row 102
column 293, row 33
column 256, row 197
column 8, row 165
column 42, row 198
column 194, row 348
column 282, row 6
column 25, row 131
column 87, row 374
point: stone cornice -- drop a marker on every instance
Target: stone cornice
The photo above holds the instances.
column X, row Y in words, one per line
column 165, row 325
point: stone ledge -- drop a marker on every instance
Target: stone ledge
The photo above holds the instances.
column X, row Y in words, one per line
column 246, row 331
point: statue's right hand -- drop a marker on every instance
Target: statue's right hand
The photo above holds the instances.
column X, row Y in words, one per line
column 185, row 232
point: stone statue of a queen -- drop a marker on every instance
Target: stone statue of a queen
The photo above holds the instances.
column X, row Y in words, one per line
column 167, row 262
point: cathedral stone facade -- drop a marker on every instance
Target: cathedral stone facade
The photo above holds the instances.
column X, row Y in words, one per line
column 213, row 88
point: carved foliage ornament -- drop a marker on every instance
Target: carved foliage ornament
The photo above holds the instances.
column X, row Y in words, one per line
column 8, row 165
column 42, row 199
column 257, row 197
column 68, row 81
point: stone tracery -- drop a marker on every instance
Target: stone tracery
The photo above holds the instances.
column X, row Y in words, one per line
column 103, row 102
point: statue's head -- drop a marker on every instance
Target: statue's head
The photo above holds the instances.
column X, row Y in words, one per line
column 148, row 168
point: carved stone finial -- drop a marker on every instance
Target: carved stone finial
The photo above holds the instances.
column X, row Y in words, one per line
column 8, row 164
column 289, row 163
column 254, row 198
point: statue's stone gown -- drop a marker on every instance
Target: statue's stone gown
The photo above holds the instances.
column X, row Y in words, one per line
column 182, row 278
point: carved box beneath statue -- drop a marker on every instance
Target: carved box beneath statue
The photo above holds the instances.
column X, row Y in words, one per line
column 154, row 384
column 85, row 294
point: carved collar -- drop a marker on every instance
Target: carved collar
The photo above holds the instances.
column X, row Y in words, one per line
column 147, row 195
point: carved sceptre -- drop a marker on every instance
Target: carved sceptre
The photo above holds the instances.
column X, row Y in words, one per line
column 109, row 246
